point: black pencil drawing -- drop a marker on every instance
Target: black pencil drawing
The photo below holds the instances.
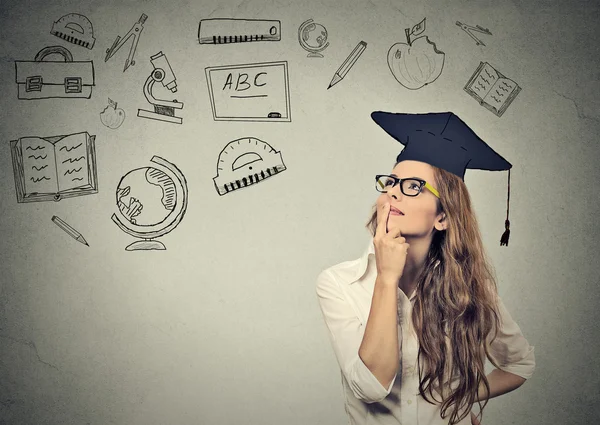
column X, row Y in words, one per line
column 469, row 29
column 250, row 92
column 151, row 201
column 53, row 168
column 244, row 162
column 69, row 230
column 417, row 62
column 348, row 63
column 233, row 30
column 112, row 116
column 491, row 89
column 164, row 110
column 45, row 79
column 135, row 32
column 313, row 38
column 76, row 29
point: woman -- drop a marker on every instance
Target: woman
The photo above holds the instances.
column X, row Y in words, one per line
column 413, row 320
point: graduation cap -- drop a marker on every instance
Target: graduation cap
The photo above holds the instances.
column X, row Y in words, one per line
column 445, row 141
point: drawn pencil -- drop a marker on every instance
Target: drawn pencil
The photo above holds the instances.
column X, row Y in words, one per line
column 69, row 230
column 348, row 64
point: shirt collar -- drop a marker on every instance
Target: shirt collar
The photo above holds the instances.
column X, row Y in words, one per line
column 364, row 261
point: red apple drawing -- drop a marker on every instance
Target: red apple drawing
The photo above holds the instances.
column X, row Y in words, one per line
column 112, row 117
column 417, row 62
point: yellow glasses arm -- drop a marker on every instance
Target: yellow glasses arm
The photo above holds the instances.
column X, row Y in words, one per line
column 432, row 189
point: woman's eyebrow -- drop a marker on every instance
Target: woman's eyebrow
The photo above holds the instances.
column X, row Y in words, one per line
column 412, row 177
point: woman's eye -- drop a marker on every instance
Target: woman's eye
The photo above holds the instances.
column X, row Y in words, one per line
column 389, row 182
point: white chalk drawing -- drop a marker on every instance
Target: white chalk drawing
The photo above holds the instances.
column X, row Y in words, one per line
column 417, row 62
column 348, row 63
column 135, row 32
column 233, row 30
column 250, row 92
column 244, row 162
column 469, row 29
column 53, row 168
column 45, row 79
column 491, row 89
column 164, row 110
column 112, row 116
column 312, row 38
column 76, row 29
column 151, row 201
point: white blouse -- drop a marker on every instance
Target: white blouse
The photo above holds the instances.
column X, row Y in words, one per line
column 345, row 292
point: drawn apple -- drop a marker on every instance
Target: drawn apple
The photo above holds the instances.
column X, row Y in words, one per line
column 112, row 117
column 417, row 62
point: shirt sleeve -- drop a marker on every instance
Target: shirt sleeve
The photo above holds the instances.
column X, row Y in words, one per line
column 510, row 349
column 346, row 333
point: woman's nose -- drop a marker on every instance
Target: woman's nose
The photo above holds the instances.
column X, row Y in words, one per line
column 394, row 192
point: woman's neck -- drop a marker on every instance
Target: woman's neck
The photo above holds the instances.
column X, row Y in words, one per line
column 415, row 260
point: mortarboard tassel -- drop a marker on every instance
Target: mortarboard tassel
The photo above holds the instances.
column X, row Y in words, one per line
column 506, row 234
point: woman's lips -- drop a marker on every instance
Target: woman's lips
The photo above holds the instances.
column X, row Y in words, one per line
column 394, row 211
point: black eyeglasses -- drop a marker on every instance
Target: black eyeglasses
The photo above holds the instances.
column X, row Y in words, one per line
column 410, row 187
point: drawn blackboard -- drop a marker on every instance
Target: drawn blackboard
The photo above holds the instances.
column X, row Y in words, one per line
column 250, row 92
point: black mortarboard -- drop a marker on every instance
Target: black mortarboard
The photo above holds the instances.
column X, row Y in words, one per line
column 445, row 141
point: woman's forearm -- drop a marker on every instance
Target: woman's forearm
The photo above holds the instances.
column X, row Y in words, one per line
column 501, row 382
column 379, row 348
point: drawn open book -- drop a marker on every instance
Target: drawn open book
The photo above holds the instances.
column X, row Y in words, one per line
column 52, row 168
column 492, row 89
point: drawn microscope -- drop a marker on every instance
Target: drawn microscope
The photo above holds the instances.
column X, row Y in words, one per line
column 164, row 110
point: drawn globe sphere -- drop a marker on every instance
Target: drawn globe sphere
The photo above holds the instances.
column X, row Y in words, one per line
column 314, row 36
column 146, row 197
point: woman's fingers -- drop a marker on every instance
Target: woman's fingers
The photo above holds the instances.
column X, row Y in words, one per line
column 398, row 234
column 382, row 216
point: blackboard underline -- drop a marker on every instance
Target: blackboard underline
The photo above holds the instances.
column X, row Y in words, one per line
column 247, row 97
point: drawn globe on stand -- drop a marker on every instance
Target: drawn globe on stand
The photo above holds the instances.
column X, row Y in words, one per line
column 313, row 38
column 151, row 201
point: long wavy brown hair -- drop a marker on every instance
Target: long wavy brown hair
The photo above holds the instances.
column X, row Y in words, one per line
column 455, row 314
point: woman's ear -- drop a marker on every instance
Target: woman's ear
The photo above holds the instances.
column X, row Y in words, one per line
column 441, row 223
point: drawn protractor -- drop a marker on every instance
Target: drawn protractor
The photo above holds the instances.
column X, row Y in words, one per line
column 244, row 162
column 76, row 29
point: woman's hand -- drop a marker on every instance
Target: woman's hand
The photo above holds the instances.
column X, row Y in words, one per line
column 390, row 248
column 474, row 420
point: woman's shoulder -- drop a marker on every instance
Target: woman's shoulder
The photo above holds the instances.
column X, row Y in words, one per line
column 346, row 271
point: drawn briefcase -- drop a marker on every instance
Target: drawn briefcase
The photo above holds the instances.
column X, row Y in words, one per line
column 44, row 79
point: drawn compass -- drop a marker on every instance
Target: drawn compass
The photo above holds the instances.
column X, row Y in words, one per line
column 244, row 162
column 468, row 28
column 134, row 32
column 76, row 29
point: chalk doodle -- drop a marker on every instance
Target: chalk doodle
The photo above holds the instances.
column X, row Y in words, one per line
column 417, row 62
column 244, row 162
column 151, row 201
column 112, row 116
column 312, row 38
column 76, row 29
column 135, row 32
column 491, row 89
column 164, row 110
column 53, row 168
column 250, row 92
column 231, row 30
column 45, row 79
column 469, row 29
column 348, row 63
